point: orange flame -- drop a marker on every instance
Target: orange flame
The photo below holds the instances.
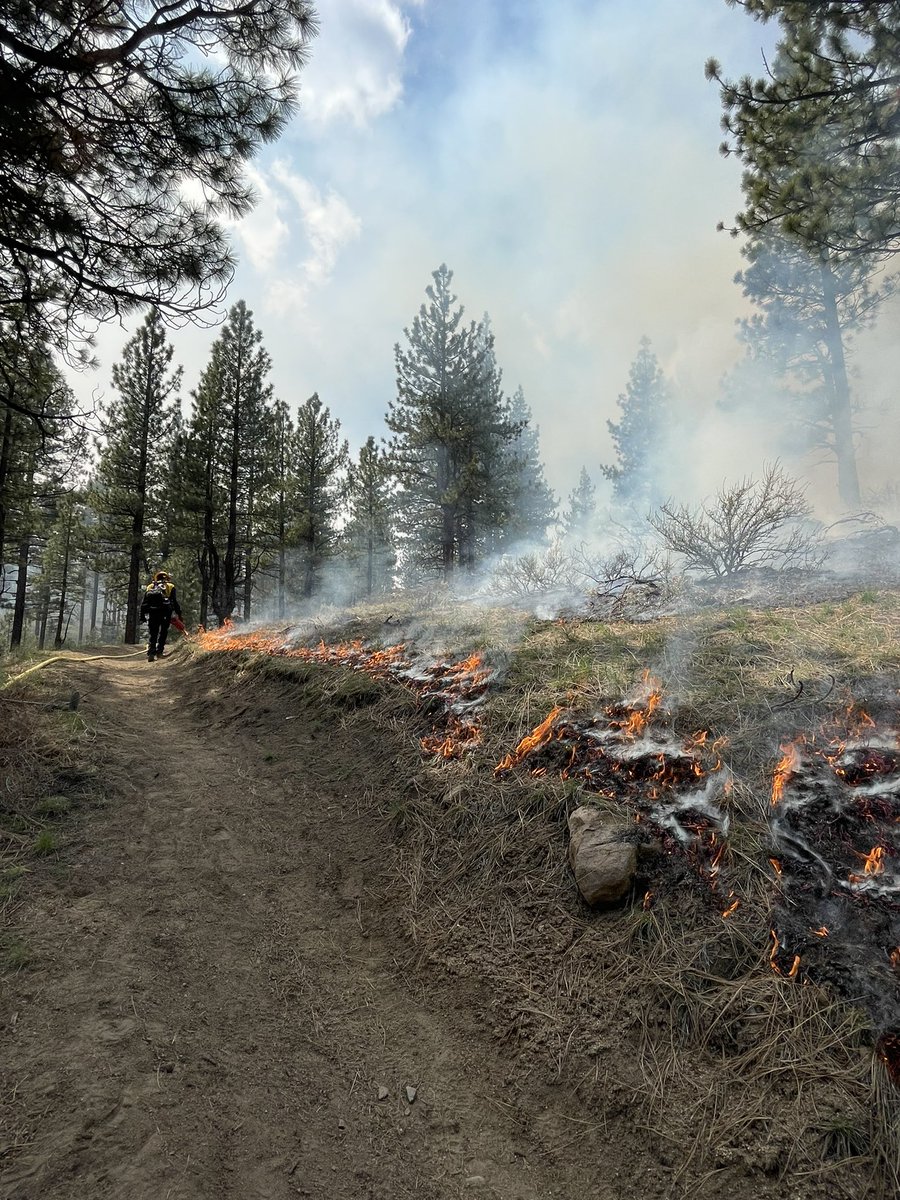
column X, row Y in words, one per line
column 874, row 861
column 790, row 757
column 776, row 865
column 641, row 717
column 539, row 735
column 822, row 931
column 730, row 909
column 453, row 744
column 894, row 956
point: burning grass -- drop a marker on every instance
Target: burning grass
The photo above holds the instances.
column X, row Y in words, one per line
column 667, row 1014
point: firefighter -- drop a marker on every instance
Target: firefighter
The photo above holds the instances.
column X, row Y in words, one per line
column 159, row 605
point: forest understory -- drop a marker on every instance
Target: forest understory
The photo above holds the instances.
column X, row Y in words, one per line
column 247, row 904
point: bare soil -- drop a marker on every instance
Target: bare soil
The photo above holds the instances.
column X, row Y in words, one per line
column 217, row 994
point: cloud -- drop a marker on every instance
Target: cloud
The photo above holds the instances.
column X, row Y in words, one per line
column 263, row 233
column 295, row 234
column 355, row 71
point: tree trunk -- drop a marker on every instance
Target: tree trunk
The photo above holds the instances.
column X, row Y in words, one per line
column 137, row 525
column 5, row 455
column 82, row 606
column 841, row 413
column 63, row 587
column 281, row 574
column 18, row 622
column 228, row 599
column 43, row 615
column 95, row 599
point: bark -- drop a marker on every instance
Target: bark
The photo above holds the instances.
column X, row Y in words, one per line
column 18, row 622
column 226, row 607
column 5, row 455
column 82, row 606
column 841, row 412
column 136, row 556
column 63, row 587
column 95, row 600
column 43, row 615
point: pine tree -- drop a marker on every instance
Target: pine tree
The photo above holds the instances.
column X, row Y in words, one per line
column 580, row 517
column 817, row 139
column 283, row 436
column 137, row 428
column 224, row 457
column 42, row 462
column 319, row 461
column 639, row 436
column 532, row 507
column 449, row 425
column 368, row 536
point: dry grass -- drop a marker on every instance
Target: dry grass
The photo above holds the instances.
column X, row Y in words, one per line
column 47, row 770
column 668, row 1020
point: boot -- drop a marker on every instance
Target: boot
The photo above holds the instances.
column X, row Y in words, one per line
column 151, row 654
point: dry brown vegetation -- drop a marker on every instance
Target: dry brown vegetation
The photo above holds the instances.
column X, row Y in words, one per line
column 682, row 1047
column 668, row 1020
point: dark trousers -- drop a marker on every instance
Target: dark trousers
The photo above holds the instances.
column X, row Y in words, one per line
column 158, row 623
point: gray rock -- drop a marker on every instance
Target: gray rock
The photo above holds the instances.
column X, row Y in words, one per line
column 475, row 1181
column 410, row 1094
column 603, row 865
column 383, row 1092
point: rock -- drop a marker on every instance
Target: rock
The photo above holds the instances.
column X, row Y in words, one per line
column 475, row 1181
column 603, row 865
column 410, row 1094
column 383, row 1092
column 342, row 1124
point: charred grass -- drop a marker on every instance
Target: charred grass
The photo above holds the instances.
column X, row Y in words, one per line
column 665, row 1021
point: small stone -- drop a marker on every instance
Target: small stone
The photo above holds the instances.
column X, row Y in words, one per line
column 383, row 1092
column 603, row 866
column 410, row 1093
column 342, row 1124
column 475, row 1181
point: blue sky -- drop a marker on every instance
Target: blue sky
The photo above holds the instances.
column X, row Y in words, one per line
column 561, row 158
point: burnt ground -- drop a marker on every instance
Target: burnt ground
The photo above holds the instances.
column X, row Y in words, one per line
column 278, row 908
column 211, row 1009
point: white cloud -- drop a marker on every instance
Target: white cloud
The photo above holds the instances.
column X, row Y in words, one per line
column 263, row 233
column 355, row 70
column 328, row 225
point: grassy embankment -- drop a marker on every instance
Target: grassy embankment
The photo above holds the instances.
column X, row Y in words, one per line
column 667, row 1019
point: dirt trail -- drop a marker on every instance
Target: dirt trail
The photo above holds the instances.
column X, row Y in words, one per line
column 212, row 1011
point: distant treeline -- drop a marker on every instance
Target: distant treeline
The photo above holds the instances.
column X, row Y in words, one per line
column 251, row 504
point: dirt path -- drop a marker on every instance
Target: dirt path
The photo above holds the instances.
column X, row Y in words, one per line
column 211, row 1012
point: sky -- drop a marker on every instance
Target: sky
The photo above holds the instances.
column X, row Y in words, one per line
column 561, row 158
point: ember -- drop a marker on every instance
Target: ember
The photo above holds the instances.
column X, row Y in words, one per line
column 835, row 827
column 627, row 752
column 459, row 687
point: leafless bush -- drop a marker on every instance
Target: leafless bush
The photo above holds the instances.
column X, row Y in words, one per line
column 624, row 567
column 538, row 572
column 753, row 523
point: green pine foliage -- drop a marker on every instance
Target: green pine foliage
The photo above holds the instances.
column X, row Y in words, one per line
column 225, row 467
column 579, row 520
column 450, row 429
column 532, row 503
column 821, row 182
column 319, row 459
column 127, row 491
column 109, row 112
column 640, row 435
column 368, row 539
